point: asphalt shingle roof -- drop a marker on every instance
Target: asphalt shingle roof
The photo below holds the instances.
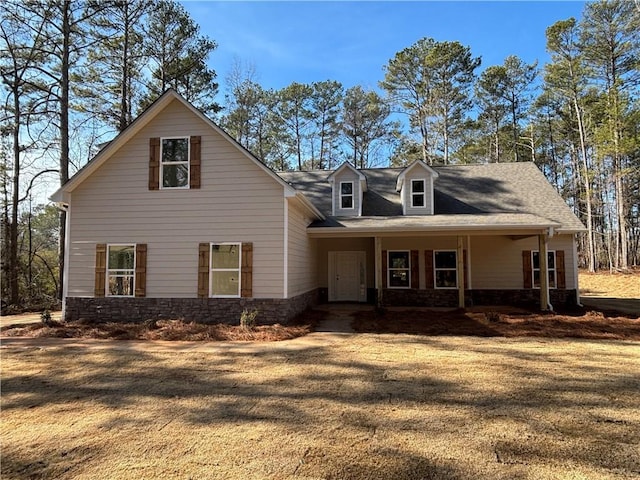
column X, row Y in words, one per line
column 480, row 194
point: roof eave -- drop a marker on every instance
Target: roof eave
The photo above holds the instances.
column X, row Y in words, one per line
column 103, row 155
column 313, row 231
column 306, row 203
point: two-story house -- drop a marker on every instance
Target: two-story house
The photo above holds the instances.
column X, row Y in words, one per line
column 174, row 219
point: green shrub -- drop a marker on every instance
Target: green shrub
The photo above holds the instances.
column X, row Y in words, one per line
column 248, row 318
column 45, row 317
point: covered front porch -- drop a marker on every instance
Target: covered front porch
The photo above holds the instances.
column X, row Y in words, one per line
column 447, row 269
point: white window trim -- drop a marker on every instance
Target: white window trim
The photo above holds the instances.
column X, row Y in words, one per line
column 108, row 270
column 389, row 268
column 352, row 195
column 433, row 202
column 554, row 270
column 423, row 193
column 188, row 162
column 239, row 270
column 435, row 270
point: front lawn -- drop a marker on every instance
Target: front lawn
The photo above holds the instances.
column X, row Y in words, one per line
column 325, row 407
column 614, row 285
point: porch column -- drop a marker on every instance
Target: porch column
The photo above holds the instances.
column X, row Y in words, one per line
column 378, row 270
column 544, row 272
column 460, row 268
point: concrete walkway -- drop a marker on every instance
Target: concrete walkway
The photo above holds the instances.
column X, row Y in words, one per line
column 340, row 317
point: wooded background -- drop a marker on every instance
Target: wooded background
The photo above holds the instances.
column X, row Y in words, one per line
column 75, row 73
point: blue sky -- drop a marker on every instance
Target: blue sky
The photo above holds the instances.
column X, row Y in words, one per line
column 351, row 41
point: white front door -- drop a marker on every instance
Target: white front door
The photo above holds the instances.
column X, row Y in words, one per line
column 347, row 277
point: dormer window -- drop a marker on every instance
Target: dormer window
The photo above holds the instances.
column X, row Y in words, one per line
column 346, row 195
column 174, row 162
column 418, row 193
column 347, row 187
column 415, row 185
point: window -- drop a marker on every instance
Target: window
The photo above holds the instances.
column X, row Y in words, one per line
column 121, row 270
column 418, row 194
column 225, row 269
column 398, row 269
column 551, row 265
column 174, row 162
column 445, row 265
column 346, row 195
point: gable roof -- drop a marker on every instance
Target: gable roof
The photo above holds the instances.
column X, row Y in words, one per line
column 477, row 192
column 348, row 166
column 416, row 164
column 149, row 114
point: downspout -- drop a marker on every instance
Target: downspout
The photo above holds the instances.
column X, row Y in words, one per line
column 285, row 284
column 575, row 270
column 66, row 207
column 550, row 234
column 378, row 269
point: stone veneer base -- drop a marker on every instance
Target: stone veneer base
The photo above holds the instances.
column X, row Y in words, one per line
column 449, row 298
column 201, row 310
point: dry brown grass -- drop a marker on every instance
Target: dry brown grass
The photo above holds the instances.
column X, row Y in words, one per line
column 360, row 407
column 613, row 285
column 502, row 322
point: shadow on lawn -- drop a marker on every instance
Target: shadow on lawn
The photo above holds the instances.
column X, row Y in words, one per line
column 295, row 388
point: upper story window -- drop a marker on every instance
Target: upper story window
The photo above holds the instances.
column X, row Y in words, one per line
column 346, row 195
column 121, row 270
column 174, row 162
column 418, row 193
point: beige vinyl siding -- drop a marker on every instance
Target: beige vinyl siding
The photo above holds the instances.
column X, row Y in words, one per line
column 421, row 244
column 237, row 202
column 302, row 257
column 347, row 175
column 496, row 261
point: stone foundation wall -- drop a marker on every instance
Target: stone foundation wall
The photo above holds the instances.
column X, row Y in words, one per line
column 449, row 298
column 524, row 297
column 422, row 298
column 201, row 310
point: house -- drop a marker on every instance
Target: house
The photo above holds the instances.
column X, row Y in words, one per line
column 174, row 219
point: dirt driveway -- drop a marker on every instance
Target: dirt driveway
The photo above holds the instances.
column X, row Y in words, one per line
column 325, row 406
column 629, row 306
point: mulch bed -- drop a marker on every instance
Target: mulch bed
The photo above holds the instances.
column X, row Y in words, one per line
column 162, row 330
column 492, row 323
column 168, row 330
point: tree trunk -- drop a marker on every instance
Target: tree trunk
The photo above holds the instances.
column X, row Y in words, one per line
column 587, row 188
column 446, row 137
column 14, row 286
column 619, row 187
column 124, row 121
column 322, row 135
column 514, row 126
column 64, row 132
